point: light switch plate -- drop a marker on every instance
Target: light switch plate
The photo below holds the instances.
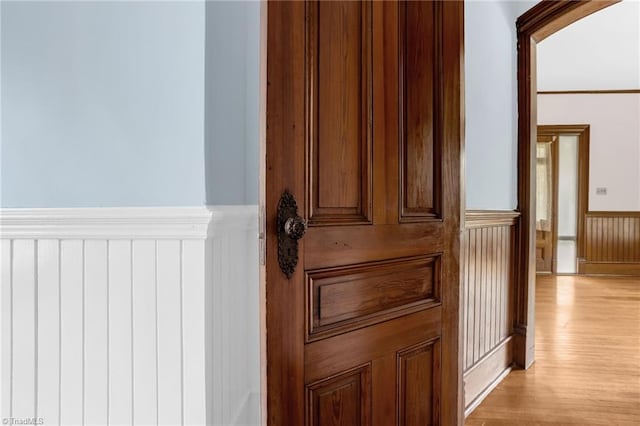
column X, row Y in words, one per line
column 601, row 191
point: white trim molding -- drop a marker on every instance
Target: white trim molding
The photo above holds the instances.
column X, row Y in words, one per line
column 116, row 223
column 130, row 315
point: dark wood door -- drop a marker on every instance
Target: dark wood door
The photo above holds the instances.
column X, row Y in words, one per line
column 546, row 202
column 364, row 127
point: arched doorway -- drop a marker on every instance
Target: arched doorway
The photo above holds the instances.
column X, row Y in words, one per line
column 541, row 21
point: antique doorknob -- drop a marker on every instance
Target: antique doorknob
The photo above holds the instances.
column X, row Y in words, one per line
column 295, row 227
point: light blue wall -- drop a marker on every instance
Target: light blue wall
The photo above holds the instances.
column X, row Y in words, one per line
column 102, row 104
column 232, row 101
column 252, row 139
column 491, row 102
column 146, row 103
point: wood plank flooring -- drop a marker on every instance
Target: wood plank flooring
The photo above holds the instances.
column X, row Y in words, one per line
column 587, row 369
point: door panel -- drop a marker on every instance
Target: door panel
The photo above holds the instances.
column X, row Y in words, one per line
column 341, row 400
column 358, row 130
column 346, row 298
column 419, row 107
column 339, row 103
column 419, row 377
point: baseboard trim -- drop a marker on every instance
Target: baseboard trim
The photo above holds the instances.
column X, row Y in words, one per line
column 610, row 268
column 476, row 402
column 486, row 374
column 248, row 412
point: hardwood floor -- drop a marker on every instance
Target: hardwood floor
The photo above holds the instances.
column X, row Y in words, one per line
column 587, row 369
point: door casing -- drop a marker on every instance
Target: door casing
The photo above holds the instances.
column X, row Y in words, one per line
column 582, row 131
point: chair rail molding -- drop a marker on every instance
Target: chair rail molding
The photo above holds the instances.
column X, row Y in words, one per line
column 481, row 218
column 130, row 315
column 123, row 222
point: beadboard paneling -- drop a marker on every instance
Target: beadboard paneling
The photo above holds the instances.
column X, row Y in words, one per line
column 120, row 332
column 194, row 326
column 48, row 272
column 487, row 286
column 233, row 336
column 104, row 316
column 70, row 347
column 24, row 344
column 6, row 328
column 612, row 243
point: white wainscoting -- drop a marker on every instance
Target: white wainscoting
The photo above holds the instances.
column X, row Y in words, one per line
column 130, row 316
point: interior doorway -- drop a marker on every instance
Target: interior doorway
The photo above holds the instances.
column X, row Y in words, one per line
column 562, row 170
column 535, row 25
column 546, row 203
